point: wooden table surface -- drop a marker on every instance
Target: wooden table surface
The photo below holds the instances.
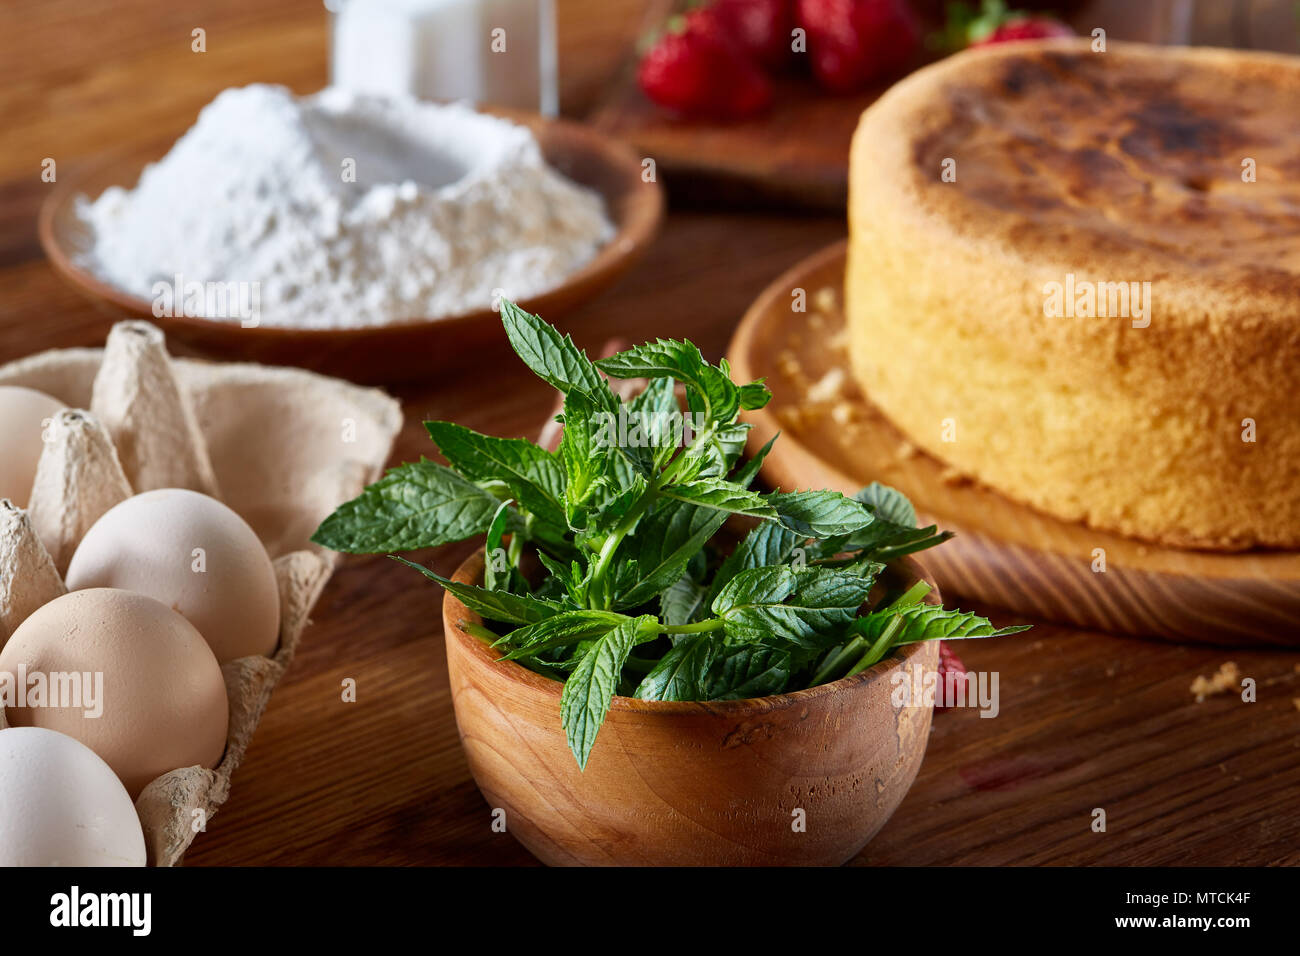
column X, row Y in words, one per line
column 1087, row 720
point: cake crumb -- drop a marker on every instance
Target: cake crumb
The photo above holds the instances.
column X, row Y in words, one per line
column 788, row 364
column 828, row 387
column 825, row 300
column 1227, row 678
column 842, row 413
column 906, row 450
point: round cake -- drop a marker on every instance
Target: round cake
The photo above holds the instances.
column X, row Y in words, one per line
column 1074, row 276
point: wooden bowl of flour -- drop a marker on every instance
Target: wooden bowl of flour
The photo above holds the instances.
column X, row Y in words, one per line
column 403, row 351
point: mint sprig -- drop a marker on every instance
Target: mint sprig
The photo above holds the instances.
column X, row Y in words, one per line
column 623, row 519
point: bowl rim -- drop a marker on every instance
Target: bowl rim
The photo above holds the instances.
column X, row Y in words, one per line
column 470, row 571
column 634, row 229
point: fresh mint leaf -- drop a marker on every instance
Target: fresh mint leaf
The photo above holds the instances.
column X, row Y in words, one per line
column 722, row 495
column 590, row 688
column 654, row 425
column 708, row 388
column 755, row 587
column 818, row 514
column 420, row 505
column 572, row 577
column 768, row 544
column 554, row 357
column 663, row 547
column 496, row 605
column 584, row 450
column 721, row 454
column 681, row 672
column 928, row 622
column 754, row 395
column 887, row 544
column 560, row 630
column 881, row 541
column 616, row 507
column 747, row 670
column 892, row 532
column 888, row 504
column 811, row 608
column 682, row 601
column 832, row 597
column 532, row 474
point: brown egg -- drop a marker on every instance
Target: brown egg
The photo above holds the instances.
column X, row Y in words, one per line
column 161, row 699
column 23, row 412
column 195, row 555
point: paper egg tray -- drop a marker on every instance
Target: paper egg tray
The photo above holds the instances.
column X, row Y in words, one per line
column 282, row 447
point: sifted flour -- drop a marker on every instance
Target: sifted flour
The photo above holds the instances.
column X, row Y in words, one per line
column 448, row 207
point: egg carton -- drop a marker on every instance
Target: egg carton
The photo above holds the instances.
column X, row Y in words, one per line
column 282, row 447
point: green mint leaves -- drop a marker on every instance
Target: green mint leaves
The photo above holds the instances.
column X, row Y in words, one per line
column 592, row 684
column 631, row 593
column 413, row 506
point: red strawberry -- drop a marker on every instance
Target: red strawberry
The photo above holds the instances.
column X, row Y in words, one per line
column 949, row 664
column 1026, row 28
column 697, row 70
column 997, row 24
column 764, row 28
column 853, row 43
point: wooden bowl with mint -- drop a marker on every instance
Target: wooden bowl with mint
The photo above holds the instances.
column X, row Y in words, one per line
column 629, row 689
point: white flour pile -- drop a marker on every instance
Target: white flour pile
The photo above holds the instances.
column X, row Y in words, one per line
column 447, row 208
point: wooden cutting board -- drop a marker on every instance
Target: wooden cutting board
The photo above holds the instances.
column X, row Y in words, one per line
column 1004, row 553
column 795, row 154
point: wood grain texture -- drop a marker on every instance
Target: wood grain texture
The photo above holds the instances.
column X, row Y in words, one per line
column 1087, row 719
column 795, row 155
column 686, row 783
column 1005, row 553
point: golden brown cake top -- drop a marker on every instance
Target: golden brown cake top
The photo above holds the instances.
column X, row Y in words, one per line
column 1128, row 159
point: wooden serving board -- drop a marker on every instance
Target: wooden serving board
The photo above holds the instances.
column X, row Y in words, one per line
column 795, row 154
column 1004, row 553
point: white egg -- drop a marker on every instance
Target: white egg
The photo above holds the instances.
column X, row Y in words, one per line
column 193, row 554
column 125, row 675
column 23, row 412
column 60, row 805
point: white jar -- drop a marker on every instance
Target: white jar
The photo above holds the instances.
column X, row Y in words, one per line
column 496, row 52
